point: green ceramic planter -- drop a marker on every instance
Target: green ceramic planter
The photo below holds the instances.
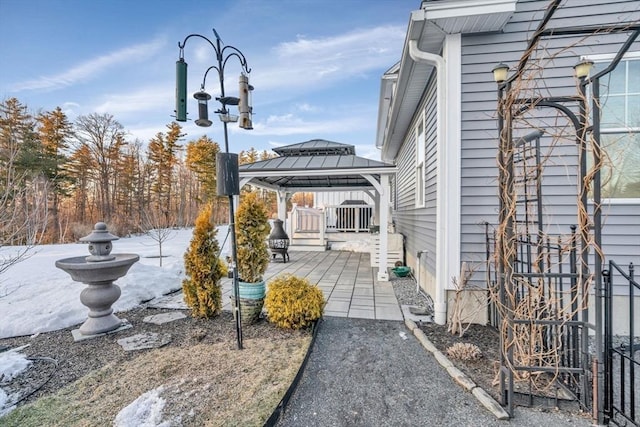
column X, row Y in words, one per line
column 401, row 271
column 251, row 301
column 251, row 290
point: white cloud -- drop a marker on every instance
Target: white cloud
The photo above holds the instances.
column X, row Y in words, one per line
column 307, row 108
column 71, row 109
column 321, row 61
column 143, row 99
column 91, row 68
column 142, row 132
column 276, row 144
column 289, row 124
column 368, row 151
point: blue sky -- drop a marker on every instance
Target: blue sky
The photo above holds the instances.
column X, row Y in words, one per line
column 316, row 65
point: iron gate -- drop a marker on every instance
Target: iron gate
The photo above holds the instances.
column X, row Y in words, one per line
column 621, row 366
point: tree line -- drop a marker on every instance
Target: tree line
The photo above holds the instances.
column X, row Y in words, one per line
column 58, row 177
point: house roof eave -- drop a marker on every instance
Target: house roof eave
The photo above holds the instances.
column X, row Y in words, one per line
column 429, row 27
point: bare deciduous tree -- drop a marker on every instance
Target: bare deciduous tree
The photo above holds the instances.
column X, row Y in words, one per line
column 157, row 223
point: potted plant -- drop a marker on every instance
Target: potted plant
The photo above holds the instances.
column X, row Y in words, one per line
column 252, row 230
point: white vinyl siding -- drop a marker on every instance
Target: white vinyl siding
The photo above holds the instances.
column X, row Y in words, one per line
column 418, row 225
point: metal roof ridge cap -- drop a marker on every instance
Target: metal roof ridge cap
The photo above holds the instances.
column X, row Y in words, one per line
column 335, row 170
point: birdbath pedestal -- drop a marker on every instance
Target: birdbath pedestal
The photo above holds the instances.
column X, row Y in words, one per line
column 98, row 271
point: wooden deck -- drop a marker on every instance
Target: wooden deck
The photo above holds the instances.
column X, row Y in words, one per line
column 347, row 280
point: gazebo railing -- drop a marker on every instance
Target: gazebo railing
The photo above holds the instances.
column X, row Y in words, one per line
column 306, row 220
column 349, row 218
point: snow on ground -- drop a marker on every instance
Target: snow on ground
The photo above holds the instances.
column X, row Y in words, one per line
column 146, row 410
column 352, row 246
column 35, row 296
column 11, row 364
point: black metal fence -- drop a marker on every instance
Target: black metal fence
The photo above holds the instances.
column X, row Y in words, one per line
column 621, row 364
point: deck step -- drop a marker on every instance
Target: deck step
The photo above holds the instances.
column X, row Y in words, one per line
column 307, row 248
column 307, row 241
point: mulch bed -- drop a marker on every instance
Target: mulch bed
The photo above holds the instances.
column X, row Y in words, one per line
column 60, row 361
column 482, row 371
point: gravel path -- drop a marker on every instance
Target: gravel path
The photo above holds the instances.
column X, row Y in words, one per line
column 375, row 373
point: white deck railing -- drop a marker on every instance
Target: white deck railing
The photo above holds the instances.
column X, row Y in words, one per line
column 354, row 218
column 307, row 220
column 345, row 218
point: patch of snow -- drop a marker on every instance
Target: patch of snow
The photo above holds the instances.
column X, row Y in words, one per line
column 145, row 411
column 352, row 246
column 4, row 398
column 12, row 363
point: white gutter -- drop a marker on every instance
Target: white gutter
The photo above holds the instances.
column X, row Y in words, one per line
column 440, row 303
column 387, row 86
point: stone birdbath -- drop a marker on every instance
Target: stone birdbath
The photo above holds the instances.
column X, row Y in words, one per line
column 99, row 270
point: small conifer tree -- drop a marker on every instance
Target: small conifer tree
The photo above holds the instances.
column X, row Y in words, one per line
column 252, row 230
column 201, row 289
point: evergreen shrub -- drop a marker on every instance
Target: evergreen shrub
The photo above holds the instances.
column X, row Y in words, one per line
column 252, row 230
column 292, row 302
column 204, row 269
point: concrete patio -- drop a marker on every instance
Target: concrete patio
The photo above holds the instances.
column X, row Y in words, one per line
column 347, row 280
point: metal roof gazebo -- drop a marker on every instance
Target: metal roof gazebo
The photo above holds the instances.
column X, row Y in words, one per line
column 320, row 165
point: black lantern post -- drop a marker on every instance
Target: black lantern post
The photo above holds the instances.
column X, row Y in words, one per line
column 226, row 163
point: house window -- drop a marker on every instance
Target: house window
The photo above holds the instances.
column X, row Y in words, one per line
column 620, row 130
column 420, row 166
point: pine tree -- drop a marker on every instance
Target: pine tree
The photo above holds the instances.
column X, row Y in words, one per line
column 163, row 157
column 54, row 132
column 201, row 160
column 250, row 156
column 22, row 192
column 204, row 269
column 79, row 169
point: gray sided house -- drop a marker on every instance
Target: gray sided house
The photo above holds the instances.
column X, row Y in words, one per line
column 438, row 123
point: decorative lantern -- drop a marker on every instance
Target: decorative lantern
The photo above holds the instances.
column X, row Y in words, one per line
column 500, row 72
column 583, row 68
column 279, row 241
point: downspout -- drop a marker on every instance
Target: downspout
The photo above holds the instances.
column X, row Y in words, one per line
column 440, row 303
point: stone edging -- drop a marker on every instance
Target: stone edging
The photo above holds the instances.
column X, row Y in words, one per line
column 458, row 376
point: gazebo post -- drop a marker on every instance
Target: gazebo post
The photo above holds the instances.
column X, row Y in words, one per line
column 383, row 274
column 376, row 210
column 282, row 207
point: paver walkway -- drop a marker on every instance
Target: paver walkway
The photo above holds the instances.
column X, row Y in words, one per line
column 347, row 280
